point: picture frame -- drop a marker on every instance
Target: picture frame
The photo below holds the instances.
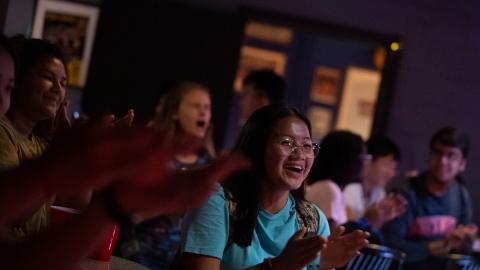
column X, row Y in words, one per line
column 359, row 98
column 321, row 121
column 253, row 58
column 268, row 32
column 325, row 84
column 72, row 26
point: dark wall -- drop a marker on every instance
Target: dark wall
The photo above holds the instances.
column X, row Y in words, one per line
column 139, row 47
column 437, row 81
column 3, row 13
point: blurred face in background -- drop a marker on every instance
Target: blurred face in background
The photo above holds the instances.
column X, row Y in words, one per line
column 7, row 70
column 194, row 112
column 380, row 171
column 250, row 101
column 446, row 162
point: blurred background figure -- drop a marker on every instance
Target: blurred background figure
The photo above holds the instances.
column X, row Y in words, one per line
column 260, row 88
column 439, row 213
column 184, row 110
column 341, row 161
column 377, row 174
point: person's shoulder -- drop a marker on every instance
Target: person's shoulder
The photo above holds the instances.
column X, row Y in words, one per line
column 461, row 186
column 326, row 189
column 214, row 205
column 6, row 127
column 409, row 185
column 325, row 185
column 218, row 193
column 354, row 188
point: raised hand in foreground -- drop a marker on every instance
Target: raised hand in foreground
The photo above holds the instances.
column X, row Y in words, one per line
column 385, row 210
column 299, row 252
column 133, row 162
column 341, row 249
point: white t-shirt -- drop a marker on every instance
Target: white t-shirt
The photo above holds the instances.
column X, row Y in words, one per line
column 356, row 201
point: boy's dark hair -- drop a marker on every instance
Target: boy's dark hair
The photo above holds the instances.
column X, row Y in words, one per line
column 449, row 136
column 268, row 84
column 381, row 146
column 31, row 50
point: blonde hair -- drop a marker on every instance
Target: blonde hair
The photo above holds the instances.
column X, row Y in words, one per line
column 170, row 102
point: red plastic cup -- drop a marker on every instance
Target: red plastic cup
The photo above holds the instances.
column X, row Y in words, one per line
column 60, row 214
column 104, row 252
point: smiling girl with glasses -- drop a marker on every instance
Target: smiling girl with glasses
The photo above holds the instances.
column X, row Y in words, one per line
column 257, row 219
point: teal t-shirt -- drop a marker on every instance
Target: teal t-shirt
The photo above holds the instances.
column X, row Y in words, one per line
column 205, row 231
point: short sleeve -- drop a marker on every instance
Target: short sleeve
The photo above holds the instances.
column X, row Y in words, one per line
column 8, row 151
column 205, row 231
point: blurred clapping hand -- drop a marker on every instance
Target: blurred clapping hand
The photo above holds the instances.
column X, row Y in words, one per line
column 390, row 207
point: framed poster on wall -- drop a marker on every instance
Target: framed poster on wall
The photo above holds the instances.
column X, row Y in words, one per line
column 359, row 97
column 252, row 58
column 325, row 84
column 72, row 26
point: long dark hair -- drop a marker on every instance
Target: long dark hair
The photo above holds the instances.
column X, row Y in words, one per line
column 339, row 159
column 245, row 187
column 29, row 51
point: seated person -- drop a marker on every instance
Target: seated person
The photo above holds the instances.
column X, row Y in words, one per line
column 439, row 214
column 259, row 219
column 73, row 164
column 376, row 175
column 38, row 109
column 340, row 162
column 260, row 88
column 184, row 111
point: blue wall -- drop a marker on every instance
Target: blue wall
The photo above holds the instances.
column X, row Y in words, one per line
column 437, row 81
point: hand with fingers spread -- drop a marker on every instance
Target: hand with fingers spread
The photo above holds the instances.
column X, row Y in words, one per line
column 99, row 157
column 108, row 120
column 175, row 190
column 125, row 121
column 460, row 238
column 299, row 252
column 342, row 248
column 104, row 155
column 390, row 207
column 61, row 120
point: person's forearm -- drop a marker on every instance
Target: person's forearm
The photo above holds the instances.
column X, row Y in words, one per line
column 440, row 247
column 62, row 246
